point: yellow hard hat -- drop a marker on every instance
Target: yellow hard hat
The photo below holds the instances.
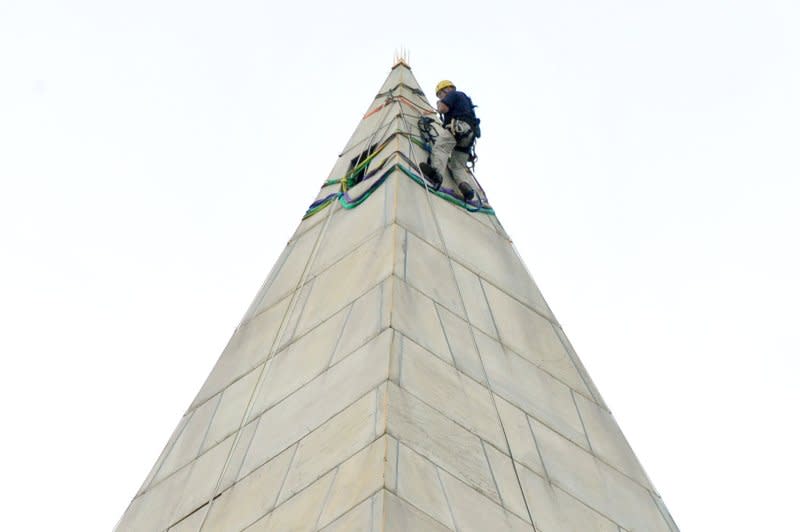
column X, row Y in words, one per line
column 443, row 85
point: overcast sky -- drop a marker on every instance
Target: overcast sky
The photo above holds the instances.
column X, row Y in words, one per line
column 155, row 157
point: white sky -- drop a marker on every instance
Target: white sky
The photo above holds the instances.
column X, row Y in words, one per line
column 155, row 156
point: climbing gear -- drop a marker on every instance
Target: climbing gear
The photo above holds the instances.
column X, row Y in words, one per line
column 431, row 174
column 466, row 191
column 426, row 130
column 443, row 85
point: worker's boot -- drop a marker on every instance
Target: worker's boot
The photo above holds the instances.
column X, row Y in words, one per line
column 466, row 191
column 431, row 174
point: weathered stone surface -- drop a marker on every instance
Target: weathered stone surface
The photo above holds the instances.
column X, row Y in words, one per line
column 413, row 212
column 520, row 437
column 292, row 265
column 251, row 497
column 187, row 445
column 418, row 482
column 299, row 363
column 366, row 317
column 348, row 229
column 348, row 279
column 204, row 479
column 331, row 444
column 415, row 316
column 300, row 513
column 319, row 400
column 478, row 311
column 485, row 252
column 399, row 516
column 359, row 519
column 462, row 345
column 607, row 440
column 507, row 483
column 451, row 392
column 247, row 348
column 532, row 336
column 597, row 485
column 439, row 439
column 555, row 511
column 229, row 414
column 358, row 478
column 153, row 509
column 531, row 389
column 167, row 448
column 428, row 270
column 191, row 523
column 474, row 512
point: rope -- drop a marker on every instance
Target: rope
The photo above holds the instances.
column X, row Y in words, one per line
column 273, row 350
column 474, row 341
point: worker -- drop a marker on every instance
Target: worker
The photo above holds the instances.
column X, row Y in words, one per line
column 452, row 145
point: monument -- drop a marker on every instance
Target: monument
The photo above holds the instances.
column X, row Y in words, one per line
column 399, row 370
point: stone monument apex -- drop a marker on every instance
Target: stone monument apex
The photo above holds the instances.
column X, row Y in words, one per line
column 399, row 370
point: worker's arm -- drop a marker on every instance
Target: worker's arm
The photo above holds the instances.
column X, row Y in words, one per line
column 442, row 107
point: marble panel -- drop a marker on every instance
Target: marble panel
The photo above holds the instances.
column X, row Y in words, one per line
column 474, row 512
column 531, row 389
column 348, row 279
column 287, row 279
column 485, row 252
column 587, row 379
column 319, row 400
column 332, row 443
column 402, row 517
column 428, row 270
column 631, row 505
column 301, row 361
column 555, row 511
column 152, row 510
column 607, row 441
column 251, row 497
column 451, row 392
column 415, row 316
column 167, row 448
column 247, row 348
column 392, row 451
column 438, row 438
column 532, row 337
column 507, row 484
column 418, row 482
column 298, row 514
column 359, row 519
column 348, row 229
column 478, row 311
column 462, row 345
column 520, row 437
column 356, row 479
column 287, row 333
column 191, row 523
column 366, row 318
column 597, row 485
column 188, row 444
column 318, row 219
column 238, row 455
column 414, row 212
column 229, row 415
column 206, row 472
